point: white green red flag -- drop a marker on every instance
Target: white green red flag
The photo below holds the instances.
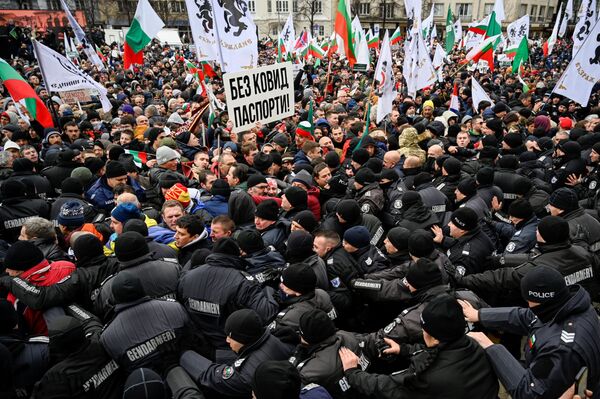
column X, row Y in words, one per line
column 521, row 55
column 313, row 50
column 549, row 44
column 372, row 40
column 144, row 27
column 139, row 158
column 343, row 30
column 396, row 37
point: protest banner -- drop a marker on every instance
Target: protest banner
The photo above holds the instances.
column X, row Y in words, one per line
column 263, row 95
column 74, row 96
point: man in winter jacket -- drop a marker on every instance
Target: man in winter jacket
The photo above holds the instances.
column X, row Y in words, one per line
column 58, row 173
column 252, row 344
column 271, row 228
column 368, row 257
column 16, row 207
column 368, row 194
column 101, row 192
column 281, row 380
column 190, row 236
column 562, row 337
column 263, row 263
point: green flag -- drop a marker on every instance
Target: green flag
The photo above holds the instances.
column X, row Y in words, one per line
column 449, row 31
column 521, row 56
column 310, row 118
column 366, row 132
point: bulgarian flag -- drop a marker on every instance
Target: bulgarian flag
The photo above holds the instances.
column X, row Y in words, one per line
column 207, row 69
column 372, row 40
column 280, row 49
column 22, row 92
column 139, row 158
column 511, row 52
column 396, row 37
column 521, row 56
column 144, row 27
column 525, row 86
column 479, row 28
column 314, row 50
column 484, row 51
column 343, row 30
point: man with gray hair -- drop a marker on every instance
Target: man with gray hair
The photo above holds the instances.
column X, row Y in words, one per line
column 6, row 161
column 41, row 233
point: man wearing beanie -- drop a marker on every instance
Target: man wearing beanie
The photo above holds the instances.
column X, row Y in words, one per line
column 466, row 196
column 218, row 203
column 16, row 207
column 251, row 344
column 293, row 201
column 23, row 168
column 432, row 197
column 157, row 345
column 315, row 358
column 468, row 246
column 369, row 258
column 26, row 261
column 121, row 214
column 191, row 206
column 450, row 362
column 414, row 214
column 521, row 232
column 367, row 192
column 448, row 181
column 304, row 220
column 281, row 380
column 79, row 360
column 348, row 214
column 263, row 262
column 158, row 277
column 101, row 192
column 271, row 228
column 584, row 228
column 575, row 263
column 72, row 190
column 300, row 293
column 561, row 327
column 208, row 292
column 67, row 161
column 300, row 250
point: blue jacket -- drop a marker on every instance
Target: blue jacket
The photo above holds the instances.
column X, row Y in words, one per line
column 217, row 205
column 101, row 195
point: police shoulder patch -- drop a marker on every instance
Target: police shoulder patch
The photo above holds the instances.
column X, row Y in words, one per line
column 511, row 247
column 593, row 184
column 227, row 372
column 398, row 204
column 365, row 208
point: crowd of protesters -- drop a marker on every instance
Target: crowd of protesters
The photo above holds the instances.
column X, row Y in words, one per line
column 150, row 253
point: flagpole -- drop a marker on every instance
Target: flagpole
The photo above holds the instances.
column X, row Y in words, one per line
column 218, row 37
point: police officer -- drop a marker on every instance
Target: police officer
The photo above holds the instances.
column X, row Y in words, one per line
column 466, row 196
column 505, row 177
column 368, row 257
column 159, row 250
column 562, row 337
column 348, row 214
column 414, row 214
column 263, row 263
column 368, row 194
column 521, row 233
column 432, row 197
column 16, row 207
column 253, row 345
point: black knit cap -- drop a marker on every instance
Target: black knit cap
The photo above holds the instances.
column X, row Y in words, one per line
column 399, row 237
column 349, row 210
column 464, row 218
column 338, row 184
column 126, row 287
column 422, row 178
column 513, row 140
column 420, row 243
column 276, row 380
column 543, row 284
column 468, row 187
column 452, row 166
column 221, row 187
column 307, row 220
column 554, row 229
column 300, row 244
column 488, row 152
column 360, row 156
column 226, row 246
column 255, row 180
column 411, row 198
column 115, row 169
column 332, row 159
column 144, row 383
column 244, row 326
column 485, row 176
column 87, row 246
column 423, row 274
column 565, row 199
column 389, row 174
column 520, row 208
column 365, row 176
column 130, row 245
column 250, row 241
column 262, row 161
column 71, row 185
column 268, row 210
column 23, row 165
column 315, row 326
column 443, row 319
column 13, row 189
column 137, row 225
column 522, row 186
column 299, row 277
column 22, row 255
column 297, row 197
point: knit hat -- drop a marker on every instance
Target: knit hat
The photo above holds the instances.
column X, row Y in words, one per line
column 255, row 180
column 226, row 246
column 443, row 319
column 115, row 169
column 262, row 161
column 338, row 184
column 420, row 243
column 221, row 187
column 125, row 211
column 130, row 245
column 306, row 219
column 565, row 199
column 144, row 383
column 250, row 241
column 299, row 245
column 137, row 225
column 423, row 273
column 304, row 178
column 358, row 236
column 281, row 139
column 71, row 185
column 365, row 176
column 410, row 198
column 315, row 326
column 276, row 380
column 244, row 326
column 464, row 218
column 428, row 104
column 422, row 178
column 332, row 159
column 22, row 255
column 66, row 335
column 153, row 133
column 165, row 154
column 23, row 165
column 87, row 246
column 299, row 277
column 388, row 174
column 348, row 210
column 500, row 107
column 399, row 237
column 179, row 193
column 488, row 152
column 8, row 317
column 468, row 187
column 565, row 123
column 168, row 180
column 13, row 189
column 268, row 210
column 513, row 140
column 360, row 156
column 554, row 229
column 297, row 197
column 485, row 176
column 520, row 208
column 543, row 284
column 71, row 214
column 126, row 287
column 452, row 166
column 83, row 174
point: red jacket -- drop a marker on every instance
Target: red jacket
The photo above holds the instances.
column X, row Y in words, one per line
column 43, row 275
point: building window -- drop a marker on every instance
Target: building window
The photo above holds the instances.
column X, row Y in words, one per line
column 318, row 30
column 464, row 9
column 522, row 10
column 550, row 12
column 295, row 6
column 533, row 11
column 318, row 6
column 177, row 6
column 386, row 10
column 269, row 6
column 54, row 5
column 438, row 10
column 282, row 6
column 364, row 8
column 488, row 8
column 275, row 30
column 542, row 13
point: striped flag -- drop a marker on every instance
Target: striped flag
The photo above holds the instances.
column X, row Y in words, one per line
column 144, row 27
column 139, row 158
